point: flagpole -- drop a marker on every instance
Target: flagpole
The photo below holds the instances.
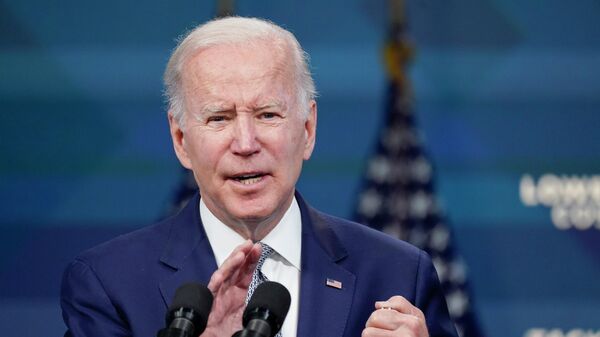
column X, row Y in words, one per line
column 396, row 11
column 397, row 196
column 398, row 51
column 225, row 8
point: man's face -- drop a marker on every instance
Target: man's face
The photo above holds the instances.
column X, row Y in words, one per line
column 244, row 138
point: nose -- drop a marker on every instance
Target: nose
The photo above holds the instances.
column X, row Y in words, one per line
column 245, row 142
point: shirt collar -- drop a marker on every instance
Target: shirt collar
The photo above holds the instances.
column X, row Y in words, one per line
column 285, row 238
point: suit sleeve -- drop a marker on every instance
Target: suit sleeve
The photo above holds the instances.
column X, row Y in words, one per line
column 86, row 307
column 430, row 299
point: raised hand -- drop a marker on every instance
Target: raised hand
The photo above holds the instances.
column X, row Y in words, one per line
column 396, row 317
column 229, row 285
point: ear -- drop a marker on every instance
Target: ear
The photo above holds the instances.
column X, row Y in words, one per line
column 178, row 139
column 310, row 130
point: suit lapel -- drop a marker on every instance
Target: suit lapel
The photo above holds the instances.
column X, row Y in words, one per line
column 324, row 308
column 187, row 254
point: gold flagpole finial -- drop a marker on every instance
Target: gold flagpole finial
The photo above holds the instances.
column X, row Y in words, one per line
column 398, row 50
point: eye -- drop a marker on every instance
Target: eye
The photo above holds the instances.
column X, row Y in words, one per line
column 217, row 118
column 268, row 115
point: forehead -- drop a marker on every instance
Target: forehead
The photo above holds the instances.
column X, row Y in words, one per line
column 237, row 63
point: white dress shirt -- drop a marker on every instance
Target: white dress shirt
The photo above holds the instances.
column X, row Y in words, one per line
column 282, row 266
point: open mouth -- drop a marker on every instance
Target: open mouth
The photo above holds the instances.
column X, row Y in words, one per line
column 249, row 179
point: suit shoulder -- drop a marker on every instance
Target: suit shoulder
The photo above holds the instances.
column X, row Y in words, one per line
column 136, row 245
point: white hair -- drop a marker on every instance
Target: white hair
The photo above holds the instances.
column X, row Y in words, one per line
column 236, row 30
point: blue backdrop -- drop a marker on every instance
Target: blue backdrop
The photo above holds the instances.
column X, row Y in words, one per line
column 507, row 97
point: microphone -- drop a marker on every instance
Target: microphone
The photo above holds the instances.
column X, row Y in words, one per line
column 265, row 311
column 188, row 314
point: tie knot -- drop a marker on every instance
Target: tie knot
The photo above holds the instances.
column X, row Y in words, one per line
column 265, row 252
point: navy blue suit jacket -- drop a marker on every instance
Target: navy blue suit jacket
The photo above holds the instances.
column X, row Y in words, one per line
column 123, row 287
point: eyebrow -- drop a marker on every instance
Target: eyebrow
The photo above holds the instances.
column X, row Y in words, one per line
column 224, row 107
column 269, row 105
column 214, row 108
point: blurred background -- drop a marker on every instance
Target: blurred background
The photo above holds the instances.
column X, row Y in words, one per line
column 504, row 106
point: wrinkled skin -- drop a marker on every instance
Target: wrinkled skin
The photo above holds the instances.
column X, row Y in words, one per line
column 229, row 285
column 396, row 317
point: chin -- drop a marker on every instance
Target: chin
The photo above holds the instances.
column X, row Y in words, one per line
column 253, row 215
column 258, row 208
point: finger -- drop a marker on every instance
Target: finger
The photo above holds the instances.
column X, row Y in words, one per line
column 386, row 319
column 401, row 324
column 229, row 266
column 400, row 304
column 390, row 319
column 245, row 274
column 256, row 251
column 221, row 275
column 376, row 332
column 241, row 274
column 244, row 247
column 233, row 261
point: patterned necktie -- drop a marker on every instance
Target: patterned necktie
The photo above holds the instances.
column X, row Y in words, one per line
column 258, row 277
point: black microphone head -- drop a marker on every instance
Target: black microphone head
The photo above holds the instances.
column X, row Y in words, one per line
column 271, row 298
column 192, row 301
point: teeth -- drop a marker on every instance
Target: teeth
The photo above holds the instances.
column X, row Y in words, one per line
column 248, row 181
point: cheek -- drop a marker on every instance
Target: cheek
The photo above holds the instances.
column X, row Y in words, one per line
column 293, row 129
column 206, row 152
column 293, row 146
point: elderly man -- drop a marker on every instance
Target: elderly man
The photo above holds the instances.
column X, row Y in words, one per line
column 243, row 118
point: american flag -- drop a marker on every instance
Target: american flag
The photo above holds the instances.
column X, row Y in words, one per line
column 397, row 196
column 334, row 283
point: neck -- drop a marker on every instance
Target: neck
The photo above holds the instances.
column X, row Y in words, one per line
column 256, row 228
column 254, row 231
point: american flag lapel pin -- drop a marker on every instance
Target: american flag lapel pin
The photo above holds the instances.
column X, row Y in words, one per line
column 334, row 283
